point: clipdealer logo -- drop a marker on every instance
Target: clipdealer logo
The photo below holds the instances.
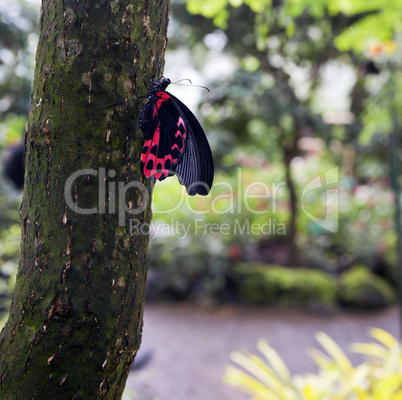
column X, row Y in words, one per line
column 112, row 193
column 200, row 227
column 330, row 200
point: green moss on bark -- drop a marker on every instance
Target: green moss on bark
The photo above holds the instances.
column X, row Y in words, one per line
column 76, row 317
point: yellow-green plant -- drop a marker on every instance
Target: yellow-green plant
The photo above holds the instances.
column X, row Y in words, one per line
column 378, row 378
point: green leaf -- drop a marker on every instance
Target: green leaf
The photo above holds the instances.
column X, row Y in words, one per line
column 383, row 337
column 335, row 352
column 213, row 9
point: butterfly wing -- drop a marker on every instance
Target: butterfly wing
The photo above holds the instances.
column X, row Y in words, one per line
column 195, row 170
column 175, row 142
column 165, row 136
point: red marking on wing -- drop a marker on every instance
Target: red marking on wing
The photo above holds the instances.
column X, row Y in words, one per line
column 181, row 133
column 153, row 165
column 162, row 96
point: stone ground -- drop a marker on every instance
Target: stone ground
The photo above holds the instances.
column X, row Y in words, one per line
column 191, row 346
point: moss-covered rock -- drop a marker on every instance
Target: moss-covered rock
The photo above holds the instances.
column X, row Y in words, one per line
column 273, row 284
column 359, row 287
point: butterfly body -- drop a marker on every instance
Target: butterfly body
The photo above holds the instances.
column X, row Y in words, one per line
column 175, row 143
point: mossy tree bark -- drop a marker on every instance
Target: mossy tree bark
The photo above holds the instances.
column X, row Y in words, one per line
column 76, row 316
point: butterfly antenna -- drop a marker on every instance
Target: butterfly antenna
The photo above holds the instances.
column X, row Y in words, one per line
column 117, row 103
column 145, row 82
column 128, row 70
column 156, row 65
column 181, row 80
column 191, row 83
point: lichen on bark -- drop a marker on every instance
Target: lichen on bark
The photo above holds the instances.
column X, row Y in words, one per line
column 76, row 317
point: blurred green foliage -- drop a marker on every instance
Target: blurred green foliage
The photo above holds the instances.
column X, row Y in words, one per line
column 361, row 288
column 365, row 208
column 379, row 19
column 273, row 284
column 18, row 37
column 311, row 288
column 288, row 64
column 10, row 234
column 378, row 377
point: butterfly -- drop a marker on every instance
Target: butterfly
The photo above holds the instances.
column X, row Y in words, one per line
column 175, row 143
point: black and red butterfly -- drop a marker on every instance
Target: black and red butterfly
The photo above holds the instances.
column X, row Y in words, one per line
column 175, row 143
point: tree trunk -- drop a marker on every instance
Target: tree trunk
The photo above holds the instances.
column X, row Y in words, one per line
column 290, row 151
column 76, row 317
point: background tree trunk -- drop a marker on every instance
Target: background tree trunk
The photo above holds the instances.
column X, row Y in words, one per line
column 76, row 316
column 289, row 152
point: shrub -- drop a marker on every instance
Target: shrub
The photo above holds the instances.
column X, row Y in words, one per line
column 361, row 288
column 378, row 378
column 271, row 284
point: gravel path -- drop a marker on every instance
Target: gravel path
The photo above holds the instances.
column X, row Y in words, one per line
column 191, row 346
